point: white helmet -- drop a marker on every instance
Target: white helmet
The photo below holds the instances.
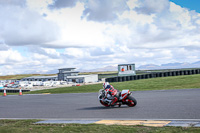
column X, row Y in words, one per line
column 105, row 85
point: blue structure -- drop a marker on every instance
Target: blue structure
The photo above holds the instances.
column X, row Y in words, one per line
column 1, row 87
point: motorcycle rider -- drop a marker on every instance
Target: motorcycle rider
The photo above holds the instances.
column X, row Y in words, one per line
column 111, row 93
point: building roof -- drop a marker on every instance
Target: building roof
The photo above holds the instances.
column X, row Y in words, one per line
column 81, row 76
column 125, row 64
column 66, row 68
column 40, row 77
column 70, row 72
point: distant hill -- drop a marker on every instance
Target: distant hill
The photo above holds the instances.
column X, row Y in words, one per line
column 103, row 69
column 148, row 67
column 21, row 76
column 176, row 65
column 111, row 69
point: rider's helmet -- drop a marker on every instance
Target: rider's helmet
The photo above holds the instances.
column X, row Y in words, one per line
column 105, row 85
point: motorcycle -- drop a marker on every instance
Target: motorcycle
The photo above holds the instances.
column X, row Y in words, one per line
column 125, row 98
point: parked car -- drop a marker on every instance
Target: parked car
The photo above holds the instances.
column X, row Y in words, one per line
column 9, row 85
column 5, row 85
column 14, row 86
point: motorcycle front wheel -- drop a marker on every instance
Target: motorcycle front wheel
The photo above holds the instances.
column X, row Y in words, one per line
column 104, row 104
column 131, row 101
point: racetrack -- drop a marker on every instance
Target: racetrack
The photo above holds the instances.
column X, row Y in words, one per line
column 160, row 104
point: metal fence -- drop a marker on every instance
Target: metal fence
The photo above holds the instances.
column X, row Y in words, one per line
column 153, row 75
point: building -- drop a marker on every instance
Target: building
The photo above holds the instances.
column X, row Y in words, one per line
column 41, row 78
column 65, row 74
column 126, row 69
column 83, row 78
column 70, row 75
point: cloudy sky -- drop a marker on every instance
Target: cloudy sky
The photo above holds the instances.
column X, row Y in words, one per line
column 37, row 36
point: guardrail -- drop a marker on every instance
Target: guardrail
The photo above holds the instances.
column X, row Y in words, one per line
column 153, row 75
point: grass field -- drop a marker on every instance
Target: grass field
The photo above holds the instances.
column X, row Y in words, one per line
column 164, row 83
column 29, row 126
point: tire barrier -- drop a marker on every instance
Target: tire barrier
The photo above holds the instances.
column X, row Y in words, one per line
column 153, row 75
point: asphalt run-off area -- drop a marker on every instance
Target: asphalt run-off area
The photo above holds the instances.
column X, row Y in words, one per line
column 159, row 107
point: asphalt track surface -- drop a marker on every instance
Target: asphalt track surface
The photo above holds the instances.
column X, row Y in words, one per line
column 158, row 104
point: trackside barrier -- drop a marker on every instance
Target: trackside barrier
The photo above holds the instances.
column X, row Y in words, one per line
column 13, row 90
column 153, row 75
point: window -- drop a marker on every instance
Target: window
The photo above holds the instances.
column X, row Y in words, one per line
column 130, row 68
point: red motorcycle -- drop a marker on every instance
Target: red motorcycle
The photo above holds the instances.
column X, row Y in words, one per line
column 125, row 98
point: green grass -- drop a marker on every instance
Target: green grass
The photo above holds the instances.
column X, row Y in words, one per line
column 29, row 126
column 164, row 83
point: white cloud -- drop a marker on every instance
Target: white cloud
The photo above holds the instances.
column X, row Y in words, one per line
column 77, row 32
column 134, row 18
column 52, row 52
column 77, row 52
column 58, row 4
column 39, row 56
column 152, row 6
column 21, row 3
column 10, row 57
column 101, row 51
column 3, row 47
column 40, row 52
column 110, row 11
column 21, row 26
column 182, row 15
column 54, row 62
column 132, row 4
column 84, row 35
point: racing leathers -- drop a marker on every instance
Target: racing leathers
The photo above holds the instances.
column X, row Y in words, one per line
column 112, row 93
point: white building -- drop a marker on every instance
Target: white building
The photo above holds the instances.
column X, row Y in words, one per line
column 83, row 78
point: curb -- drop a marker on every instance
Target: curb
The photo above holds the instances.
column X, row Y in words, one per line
column 152, row 123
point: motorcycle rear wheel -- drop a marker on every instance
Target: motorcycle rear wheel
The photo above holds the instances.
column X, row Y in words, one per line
column 132, row 101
